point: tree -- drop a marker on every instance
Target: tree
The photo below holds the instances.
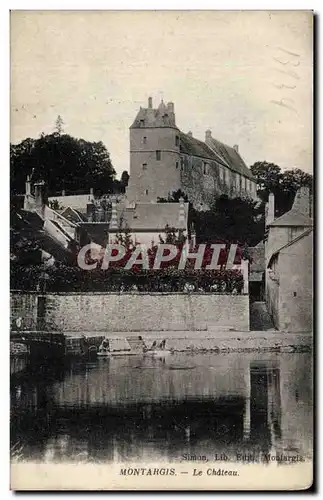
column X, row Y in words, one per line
column 59, row 125
column 174, row 197
column 173, row 236
column 63, row 162
column 283, row 184
column 124, row 180
column 230, row 220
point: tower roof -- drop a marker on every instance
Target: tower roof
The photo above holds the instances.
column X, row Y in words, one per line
column 163, row 116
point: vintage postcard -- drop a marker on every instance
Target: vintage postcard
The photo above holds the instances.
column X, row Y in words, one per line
column 161, row 250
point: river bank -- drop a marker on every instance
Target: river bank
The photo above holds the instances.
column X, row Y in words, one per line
column 204, row 341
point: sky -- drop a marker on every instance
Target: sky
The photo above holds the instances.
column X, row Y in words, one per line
column 247, row 76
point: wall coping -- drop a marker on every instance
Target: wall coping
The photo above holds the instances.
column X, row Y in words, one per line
column 41, row 294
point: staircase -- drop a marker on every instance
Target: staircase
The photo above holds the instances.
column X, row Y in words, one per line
column 260, row 320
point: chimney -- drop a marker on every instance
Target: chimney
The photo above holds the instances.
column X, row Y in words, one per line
column 236, row 148
column 150, row 102
column 63, row 192
column 114, row 216
column 189, row 134
column 181, row 215
column 208, row 135
column 40, row 196
column 302, row 201
column 170, row 107
column 270, row 215
column 27, row 188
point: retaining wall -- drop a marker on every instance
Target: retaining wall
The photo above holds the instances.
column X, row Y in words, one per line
column 136, row 312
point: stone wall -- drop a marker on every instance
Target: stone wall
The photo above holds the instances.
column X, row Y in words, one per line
column 23, row 311
column 296, row 286
column 77, row 201
column 111, row 312
column 150, row 177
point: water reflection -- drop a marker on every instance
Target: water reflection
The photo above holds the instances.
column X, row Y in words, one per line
column 138, row 408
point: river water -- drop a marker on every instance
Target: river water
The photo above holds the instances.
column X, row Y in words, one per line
column 134, row 409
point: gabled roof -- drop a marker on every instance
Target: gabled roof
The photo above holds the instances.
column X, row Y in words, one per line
column 191, row 146
column 292, row 218
column 152, row 216
column 275, row 254
column 160, row 117
column 216, row 151
column 231, row 157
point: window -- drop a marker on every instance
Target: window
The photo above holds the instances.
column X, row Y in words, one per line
column 182, row 164
column 177, row 165
column 144, row 166
column 205, row 168
column 245, row 183
column 144, row 140
column 142, row 123
column 240, row 182
column 146, row 191
column 177, row 140
column 158, row 155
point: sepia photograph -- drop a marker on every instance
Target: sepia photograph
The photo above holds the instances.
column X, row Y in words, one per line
column 161, row 250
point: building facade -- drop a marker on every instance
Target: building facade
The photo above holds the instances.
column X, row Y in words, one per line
column 289, row 265
column 163, row 159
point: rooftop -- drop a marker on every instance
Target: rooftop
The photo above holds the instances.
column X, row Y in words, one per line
column 292, row 218
column 153, row 216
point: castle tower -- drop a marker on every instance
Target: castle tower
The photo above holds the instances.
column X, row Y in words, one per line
column 154, row 154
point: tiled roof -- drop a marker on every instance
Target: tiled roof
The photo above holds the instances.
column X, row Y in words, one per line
column 153, row 216
column 191, row 146
column 160, row 117
column 147, row 217
column 219, row 152
column 292, row 218
column 231, row 157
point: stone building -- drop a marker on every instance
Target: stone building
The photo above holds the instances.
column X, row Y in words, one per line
column 289, row 266
column 144, row 223
column 163, row 159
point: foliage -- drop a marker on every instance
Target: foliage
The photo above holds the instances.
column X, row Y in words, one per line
column 174, row 197
column 124, row 179
column 173, row 236
column 231, row 220
column 59, row 124
column 54, row 205
column 63, row 162
column 283, row 184
column 237, row 220
column 123, row 236
column 68, row 279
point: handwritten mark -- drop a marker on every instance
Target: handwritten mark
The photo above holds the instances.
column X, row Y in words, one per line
column 281, row 103
column 288, row 52
column 286, row 62
column 283, row 86
column 289, row 73
column 279, row 61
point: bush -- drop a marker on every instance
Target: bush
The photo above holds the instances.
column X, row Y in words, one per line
column 73, row 279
